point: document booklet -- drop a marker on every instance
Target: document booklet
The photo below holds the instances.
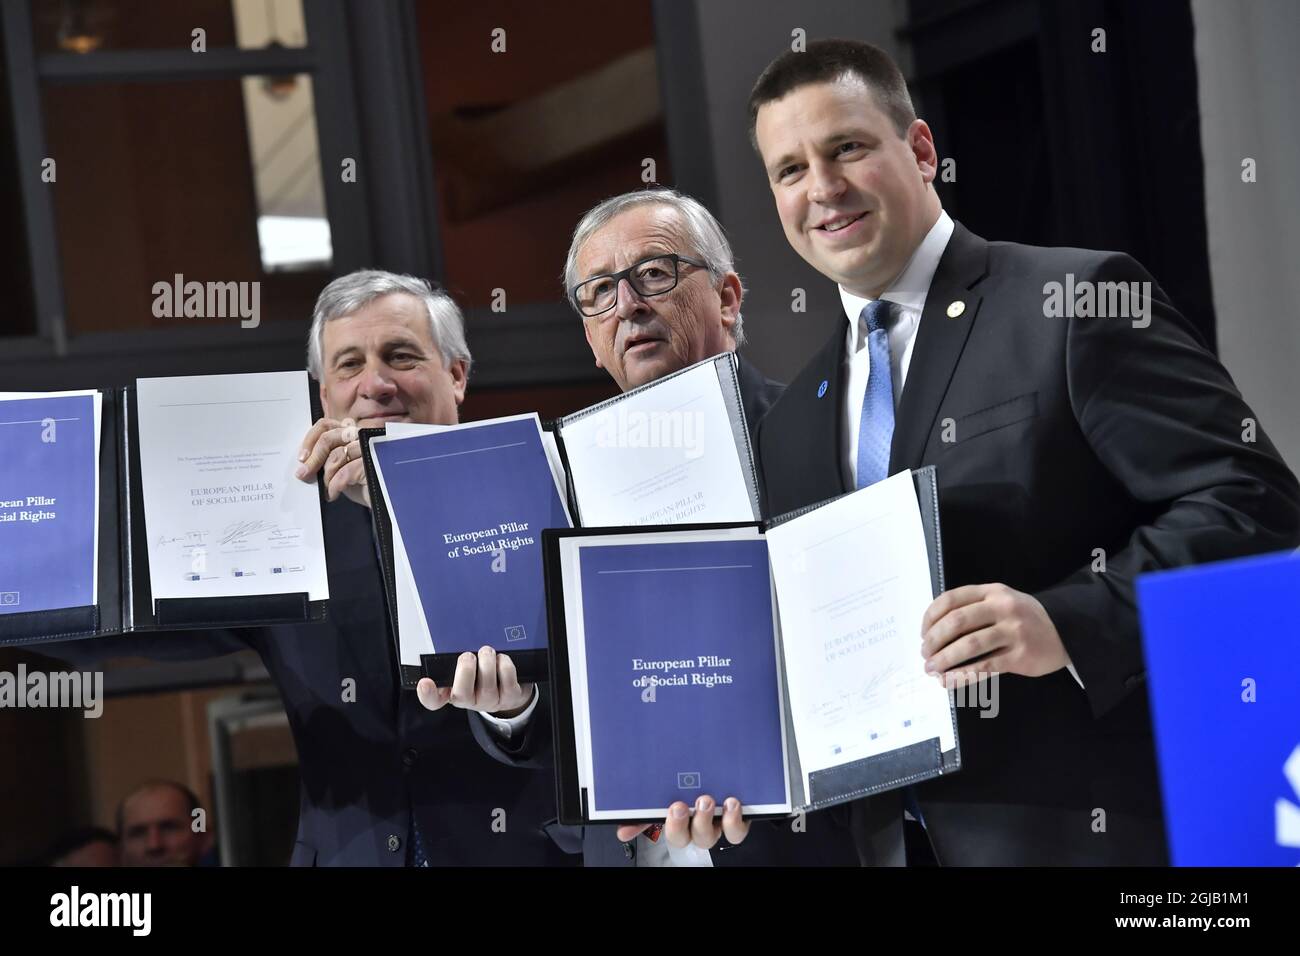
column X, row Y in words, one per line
column 459, row 510
column 778, row 663
column 464, row 507
column 49, row 500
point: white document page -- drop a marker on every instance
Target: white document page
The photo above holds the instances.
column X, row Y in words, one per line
column 664, row 456
column 852, row 582
column 224, row 514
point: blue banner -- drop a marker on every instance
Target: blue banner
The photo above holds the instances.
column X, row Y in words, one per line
column 1222, row 645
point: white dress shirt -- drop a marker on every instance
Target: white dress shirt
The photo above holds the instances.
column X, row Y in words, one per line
column 907, row 294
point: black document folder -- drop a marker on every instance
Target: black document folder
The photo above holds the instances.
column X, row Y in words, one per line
column 125, row 601
column 629, row 754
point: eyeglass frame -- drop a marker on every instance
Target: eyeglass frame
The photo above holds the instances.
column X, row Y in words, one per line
column 618, row 277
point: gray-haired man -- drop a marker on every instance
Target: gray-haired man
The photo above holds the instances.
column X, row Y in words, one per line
column 653, row 277
column 384, row 781
column 383, row 348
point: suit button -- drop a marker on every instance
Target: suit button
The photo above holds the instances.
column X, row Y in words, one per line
column 410, row 757
column 394, row 844
column 628, row 851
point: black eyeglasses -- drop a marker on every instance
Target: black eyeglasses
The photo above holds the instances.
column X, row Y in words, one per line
column 653, row 276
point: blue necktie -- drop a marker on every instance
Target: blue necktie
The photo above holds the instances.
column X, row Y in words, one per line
column 876, row 433
column 417, row 857
column 876, row 427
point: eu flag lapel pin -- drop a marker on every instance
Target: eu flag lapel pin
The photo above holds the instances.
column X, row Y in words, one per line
column 821, row 389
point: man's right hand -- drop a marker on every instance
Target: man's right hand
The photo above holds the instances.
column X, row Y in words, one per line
column 333, row 445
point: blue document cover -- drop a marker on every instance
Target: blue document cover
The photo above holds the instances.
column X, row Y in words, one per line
column 47, row 503
column 1223, row 655
column 471, row 505
column 681, row 674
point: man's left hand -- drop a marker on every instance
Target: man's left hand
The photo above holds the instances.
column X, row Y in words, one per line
column 971, row 632
column 485, row 682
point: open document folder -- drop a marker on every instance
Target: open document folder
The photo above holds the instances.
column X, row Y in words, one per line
column 671, row 451
column 169, row 505
column 776, row 663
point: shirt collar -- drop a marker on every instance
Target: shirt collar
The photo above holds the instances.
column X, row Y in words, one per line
column 913, row 283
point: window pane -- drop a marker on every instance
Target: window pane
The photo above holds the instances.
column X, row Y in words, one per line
column 293, row 232
column 83, row 26
column 526, row 140
column 214, row 180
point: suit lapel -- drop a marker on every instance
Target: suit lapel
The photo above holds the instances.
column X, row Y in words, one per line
column 821, row 388
column 939, row 343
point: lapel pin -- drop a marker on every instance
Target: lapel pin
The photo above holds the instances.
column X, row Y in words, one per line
column 821, row 389
column 956, row 308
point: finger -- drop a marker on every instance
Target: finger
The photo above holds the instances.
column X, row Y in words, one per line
column 462, row 685
column 959, row 621
column 630, row 832
column 677, row 825
column 945, row 602
column 348, row 450
column 316, row 458
column 704, row 828
column 487, row 696
column 353, row 473
column 513, row 694
column 431, row 695
column 337, row 458
column 313, row 435
column 734, row 826
column 963, row 653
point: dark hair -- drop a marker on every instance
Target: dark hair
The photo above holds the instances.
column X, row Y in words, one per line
column 825, row 61
column 190, row 798
column 74, row 840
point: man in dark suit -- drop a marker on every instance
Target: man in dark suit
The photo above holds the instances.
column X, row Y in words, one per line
column 384, row 781
column 1077, row 444
column 653, row 277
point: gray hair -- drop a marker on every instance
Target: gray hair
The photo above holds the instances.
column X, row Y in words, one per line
column 703, row 233
column 346, row 294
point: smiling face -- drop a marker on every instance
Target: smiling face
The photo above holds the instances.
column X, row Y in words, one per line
column 645, row 338
column 854, row 197
column 380, row 364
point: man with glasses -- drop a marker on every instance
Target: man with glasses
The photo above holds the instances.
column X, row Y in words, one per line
column 653, row 277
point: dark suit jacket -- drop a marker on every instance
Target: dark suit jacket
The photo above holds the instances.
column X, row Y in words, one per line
column 1071, row 434
column 365, row 765
column 758, row 393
